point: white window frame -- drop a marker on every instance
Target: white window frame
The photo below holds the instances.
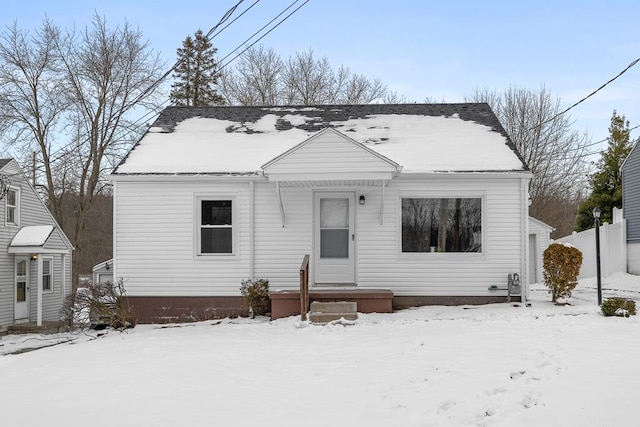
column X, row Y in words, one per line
column 198, row 199
column 440, row 195
column 51, row 275
column 16, row 208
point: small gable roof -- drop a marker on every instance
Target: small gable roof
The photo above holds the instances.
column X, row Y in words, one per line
column 420, row 138
column 4, row 162
column 39, row 238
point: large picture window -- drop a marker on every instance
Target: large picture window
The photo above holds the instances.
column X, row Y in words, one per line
column 216, row 226
column 441, row 225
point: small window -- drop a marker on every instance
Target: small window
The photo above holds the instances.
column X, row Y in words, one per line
column 47, row 267
column 11, row 215
column 216, row 226
column 441, row 225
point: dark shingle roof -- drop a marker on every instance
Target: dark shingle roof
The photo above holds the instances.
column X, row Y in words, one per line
column 321, row 116
column 4, row 162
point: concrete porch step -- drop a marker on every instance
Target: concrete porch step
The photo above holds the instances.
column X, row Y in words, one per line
column 325, row 312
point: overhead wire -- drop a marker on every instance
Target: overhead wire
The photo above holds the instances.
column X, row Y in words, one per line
column 633, row 63
column 209, row 35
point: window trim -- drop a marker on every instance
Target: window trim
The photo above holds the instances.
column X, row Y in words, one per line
column 16, row 208
column 51, row 275
column 482, row 195
column 197, row 219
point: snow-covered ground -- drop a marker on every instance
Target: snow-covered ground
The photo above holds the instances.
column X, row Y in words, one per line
column 494, row 365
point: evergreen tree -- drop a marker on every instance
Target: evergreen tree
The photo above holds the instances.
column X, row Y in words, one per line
column 197, row 73
column 606, row 182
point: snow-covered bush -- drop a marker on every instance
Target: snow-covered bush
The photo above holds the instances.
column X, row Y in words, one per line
column 618, row 307
column 255, row 296
column 561, row 264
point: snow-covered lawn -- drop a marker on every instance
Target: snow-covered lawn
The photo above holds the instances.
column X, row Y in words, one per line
column 494, row 365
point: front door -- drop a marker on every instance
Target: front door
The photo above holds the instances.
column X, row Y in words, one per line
column 334, row 238
column 21, row 311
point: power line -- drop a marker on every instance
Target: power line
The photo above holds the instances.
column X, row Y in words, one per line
column 225, row 17
column 260, row 30
column 634, row 62
column 222, row 20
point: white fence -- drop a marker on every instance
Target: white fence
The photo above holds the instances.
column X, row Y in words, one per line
column 613, row 249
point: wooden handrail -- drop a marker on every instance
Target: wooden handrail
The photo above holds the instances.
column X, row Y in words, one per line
column 304, row 288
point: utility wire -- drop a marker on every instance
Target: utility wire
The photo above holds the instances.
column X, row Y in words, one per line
column 220, row 67
column 222, row 20
column 209, row 36
column 634, row 62
column 260, row 30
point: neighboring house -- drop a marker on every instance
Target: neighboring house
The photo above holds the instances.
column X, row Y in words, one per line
column 35, row 255
column 539, row 240
column 631, row 207
column 103, row 272
column 429, row 201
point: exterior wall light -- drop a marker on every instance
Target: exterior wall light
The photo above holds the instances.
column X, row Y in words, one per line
column 361, row 199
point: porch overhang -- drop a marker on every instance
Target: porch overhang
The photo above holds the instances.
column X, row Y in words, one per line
column 333, row 182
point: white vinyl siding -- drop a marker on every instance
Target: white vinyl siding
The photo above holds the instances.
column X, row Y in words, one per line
column 156, row 255
column 329, row 155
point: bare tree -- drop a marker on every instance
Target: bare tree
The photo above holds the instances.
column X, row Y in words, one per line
column 72, row 98
column 31, row 102
column 552, row 149
column 261, row 77
column 256, row 79
column 107, row 74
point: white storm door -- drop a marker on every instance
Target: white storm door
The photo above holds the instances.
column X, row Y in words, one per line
column 21, row 300
column 334, row 238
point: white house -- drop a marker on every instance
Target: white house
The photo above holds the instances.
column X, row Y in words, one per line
column 427, row 201
column 35, row 255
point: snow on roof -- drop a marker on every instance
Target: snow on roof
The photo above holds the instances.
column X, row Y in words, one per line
column 36, row 235
column 419, row 143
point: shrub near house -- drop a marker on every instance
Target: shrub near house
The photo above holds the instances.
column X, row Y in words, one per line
column 561, row 269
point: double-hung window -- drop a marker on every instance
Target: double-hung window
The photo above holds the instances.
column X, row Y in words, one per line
column 11, row 207
column 47, row 268
column 441, row 224
column 216, row 226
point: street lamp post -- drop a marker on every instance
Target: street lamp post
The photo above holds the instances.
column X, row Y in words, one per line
column 596, row 217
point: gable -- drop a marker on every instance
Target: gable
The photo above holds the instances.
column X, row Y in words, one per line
column 330, row 154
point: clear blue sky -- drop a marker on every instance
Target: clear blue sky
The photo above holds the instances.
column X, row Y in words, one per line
column 419, row 48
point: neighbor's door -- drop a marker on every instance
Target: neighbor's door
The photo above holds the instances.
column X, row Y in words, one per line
column 21, row 310
column 334, row 238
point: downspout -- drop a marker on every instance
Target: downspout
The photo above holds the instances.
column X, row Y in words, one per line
column 114, row 264
column 383, row 184
column 280, row 204
column 524, row 260
column 251, row 228
column 63, row 279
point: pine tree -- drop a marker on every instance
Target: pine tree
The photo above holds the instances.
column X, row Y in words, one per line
column 606, row 182
column 196, row 74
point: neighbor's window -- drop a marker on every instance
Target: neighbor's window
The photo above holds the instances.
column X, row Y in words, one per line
column 11, row 198
column 47, row 264
column 216, row 226
column 441, row 225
